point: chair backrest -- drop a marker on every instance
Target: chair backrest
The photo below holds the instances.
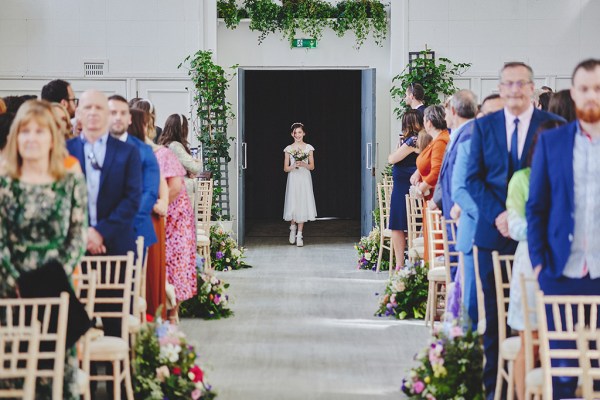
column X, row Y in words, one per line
column 588, row 345
column 114, row 276
column 204, row 197
column 384, row 196
column 564, row 313
column 451, row 257
column 502, row 277
column 52, row 314
column 85, row 290
column 19, row 347
column 414, row 216
column 435, row 232
column 480, row 295
column 529, row 285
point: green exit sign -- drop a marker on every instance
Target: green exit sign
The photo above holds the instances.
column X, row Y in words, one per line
column 304, row 43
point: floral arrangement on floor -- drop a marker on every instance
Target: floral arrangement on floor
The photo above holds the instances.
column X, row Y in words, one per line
column 368, row 250
column 225, row 253
column 210, row 302
column 166, row 365
column 450, row 368
column 405, row 294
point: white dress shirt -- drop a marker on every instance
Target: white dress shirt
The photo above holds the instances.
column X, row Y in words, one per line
column 524, row 122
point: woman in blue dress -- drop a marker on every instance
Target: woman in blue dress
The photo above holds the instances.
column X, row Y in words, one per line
column 404, row 159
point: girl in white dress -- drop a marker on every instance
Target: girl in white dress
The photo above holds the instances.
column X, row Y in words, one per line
column 299, row 204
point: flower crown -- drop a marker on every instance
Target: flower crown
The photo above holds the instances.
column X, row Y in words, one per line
column 297, row 123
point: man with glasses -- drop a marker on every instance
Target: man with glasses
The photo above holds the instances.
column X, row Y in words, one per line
column 59, row 91
column 113, row 172
column 500, row 144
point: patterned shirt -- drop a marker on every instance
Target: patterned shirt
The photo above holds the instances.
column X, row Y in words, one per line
column 585, row 247
column 92, row 175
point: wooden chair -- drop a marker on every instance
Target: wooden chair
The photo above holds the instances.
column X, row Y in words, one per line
column 567, row 312
column 19, row 348
column 533, row 378
column 137, row 318
column 509, row 345
column 439, row 271
column 204, row 197
column 113, row 288
column 85, row 290
column 480, row 295
column 587, row 354
column 384, row 195
column 52, row 313
column 414, row 217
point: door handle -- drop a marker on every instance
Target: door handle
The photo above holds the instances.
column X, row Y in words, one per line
column 368, row 150
column 244, row 155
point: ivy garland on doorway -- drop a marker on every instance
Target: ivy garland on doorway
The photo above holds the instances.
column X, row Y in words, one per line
column 436, row 78
column 213, row 111
column 310, row 17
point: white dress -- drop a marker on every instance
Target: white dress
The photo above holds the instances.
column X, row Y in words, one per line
column 299, row 198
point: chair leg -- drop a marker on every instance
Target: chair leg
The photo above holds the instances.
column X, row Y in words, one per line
column 510, row 395
column 499, row 379
column 428, row 306
column 116, row 379
column 392, row 264
column 128, row 385
column 207, row 261
column 434, row 305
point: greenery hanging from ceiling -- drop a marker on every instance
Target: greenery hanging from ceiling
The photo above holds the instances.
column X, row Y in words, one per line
column 310, row 17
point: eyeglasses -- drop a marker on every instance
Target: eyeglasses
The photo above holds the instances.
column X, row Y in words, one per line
column 93, row 161
column 517, row 84
column 74, row 100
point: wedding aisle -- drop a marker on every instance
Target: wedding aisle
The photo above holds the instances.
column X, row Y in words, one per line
column 304, row 328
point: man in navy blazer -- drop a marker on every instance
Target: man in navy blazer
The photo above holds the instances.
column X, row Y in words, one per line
column 113, row 173
column 563, row 209
column 120, row 120
column 499, row 146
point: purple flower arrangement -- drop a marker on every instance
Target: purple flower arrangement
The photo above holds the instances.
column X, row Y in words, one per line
column 368, row 251
column 225, row 253
column 405, row 295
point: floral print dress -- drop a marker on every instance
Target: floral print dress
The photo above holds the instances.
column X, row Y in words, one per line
column 180, row 231
column 38, row 223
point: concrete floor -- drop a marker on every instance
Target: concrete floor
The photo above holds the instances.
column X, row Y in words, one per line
column 304, row 328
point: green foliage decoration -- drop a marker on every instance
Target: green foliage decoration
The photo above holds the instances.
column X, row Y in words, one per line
column 436, row 77
column 213, row 111
column 310, row 17
column 405, row 294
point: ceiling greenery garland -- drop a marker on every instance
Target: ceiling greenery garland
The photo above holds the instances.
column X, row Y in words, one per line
column 309, row 17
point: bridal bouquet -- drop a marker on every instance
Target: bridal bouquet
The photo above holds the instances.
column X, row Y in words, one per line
column 451, row 367
column 298, row 154
column 405, row 294
column 166, row 365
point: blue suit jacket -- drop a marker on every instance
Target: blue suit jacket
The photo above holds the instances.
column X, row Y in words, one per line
column 119, row 194
column 551, row 206
column 446, row 172
column 150, row 181
column 487, row 176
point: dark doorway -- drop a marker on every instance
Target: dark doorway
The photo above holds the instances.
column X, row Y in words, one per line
column 328, row 103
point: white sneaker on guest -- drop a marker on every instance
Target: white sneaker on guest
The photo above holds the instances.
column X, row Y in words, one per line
column 293, row 234
column 299, row 241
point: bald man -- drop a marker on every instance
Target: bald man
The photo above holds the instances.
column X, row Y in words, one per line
column 113, row 173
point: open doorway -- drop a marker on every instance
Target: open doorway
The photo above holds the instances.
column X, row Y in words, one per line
column 328, row 103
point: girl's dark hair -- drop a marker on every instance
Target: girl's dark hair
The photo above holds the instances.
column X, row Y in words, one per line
column 139, row 121
column 175, row 130
column 298, row 125
column 562, row 104
column 544, row 126
column 412, row 123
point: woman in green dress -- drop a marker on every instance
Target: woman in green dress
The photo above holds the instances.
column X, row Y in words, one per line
column 43, row 208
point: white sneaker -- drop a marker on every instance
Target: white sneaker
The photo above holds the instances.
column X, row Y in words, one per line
column 299, row 241
column 293, row 234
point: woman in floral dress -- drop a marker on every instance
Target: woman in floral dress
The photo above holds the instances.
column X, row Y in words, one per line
column 180, row 231
column 43, row 208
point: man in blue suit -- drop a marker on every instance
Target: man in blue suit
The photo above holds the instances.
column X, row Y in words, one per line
column 120, row 120
column 465, row 209
column 499, row 146
column 563, row 209
column 113, row 172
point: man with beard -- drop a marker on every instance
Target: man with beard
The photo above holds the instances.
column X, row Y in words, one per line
column 563, row 209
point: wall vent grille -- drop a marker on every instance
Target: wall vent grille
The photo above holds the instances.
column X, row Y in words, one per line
column 94, row 69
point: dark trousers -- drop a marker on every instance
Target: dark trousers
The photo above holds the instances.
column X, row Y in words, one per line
column 563, row 386
column 490, row 337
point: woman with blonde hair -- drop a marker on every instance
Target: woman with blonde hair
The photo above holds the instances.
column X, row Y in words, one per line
column 43, row 207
